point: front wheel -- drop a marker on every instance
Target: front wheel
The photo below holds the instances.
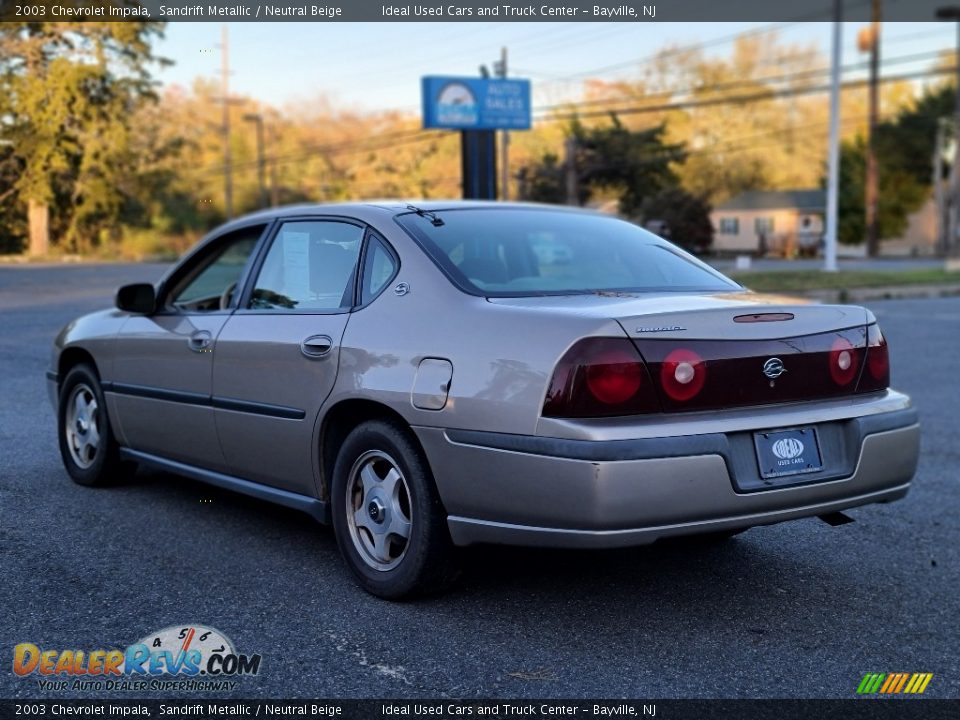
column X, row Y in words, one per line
column 89, row 451
column 387, row 516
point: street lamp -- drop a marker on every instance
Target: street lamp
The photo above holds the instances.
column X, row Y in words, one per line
column 952, row 13
column 257, row 119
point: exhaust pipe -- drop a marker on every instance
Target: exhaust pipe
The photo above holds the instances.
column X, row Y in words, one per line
column 836, row 518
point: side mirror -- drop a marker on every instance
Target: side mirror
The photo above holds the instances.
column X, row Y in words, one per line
column 138, row 298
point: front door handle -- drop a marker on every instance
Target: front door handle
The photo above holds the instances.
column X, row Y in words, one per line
column 316, row 346
column 200, row 341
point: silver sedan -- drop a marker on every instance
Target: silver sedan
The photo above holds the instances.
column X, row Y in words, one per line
column 433, row 376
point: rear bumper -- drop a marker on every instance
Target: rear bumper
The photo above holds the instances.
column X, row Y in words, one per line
column 531, row 490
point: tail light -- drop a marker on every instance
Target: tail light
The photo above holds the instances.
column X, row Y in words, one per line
column 683, row 374
column 876, row 375
column 600, row 377
column 606, row 377
column 844, row 361
column 699, row 374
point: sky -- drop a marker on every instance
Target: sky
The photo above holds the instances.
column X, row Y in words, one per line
column 376, row 66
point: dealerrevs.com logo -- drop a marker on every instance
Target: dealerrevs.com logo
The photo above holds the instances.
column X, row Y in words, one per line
column 180, row 657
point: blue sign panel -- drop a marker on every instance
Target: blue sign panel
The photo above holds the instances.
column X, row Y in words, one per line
column 459, row 103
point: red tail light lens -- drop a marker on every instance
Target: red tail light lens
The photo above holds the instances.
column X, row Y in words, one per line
column 614, row 377
column 844, row 361
column 877, row 375
column 683, row 374
column 600, row 377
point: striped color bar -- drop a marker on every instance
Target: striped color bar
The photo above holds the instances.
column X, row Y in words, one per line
column 894, row 683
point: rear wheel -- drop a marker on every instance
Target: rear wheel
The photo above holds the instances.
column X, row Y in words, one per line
column 387, row 516
column 88, row 448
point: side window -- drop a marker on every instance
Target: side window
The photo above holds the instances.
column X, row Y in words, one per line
column 378, row 268
column 310, row 266
column 212, row 281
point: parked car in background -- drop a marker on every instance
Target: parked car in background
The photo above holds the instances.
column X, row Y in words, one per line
column 433, row 376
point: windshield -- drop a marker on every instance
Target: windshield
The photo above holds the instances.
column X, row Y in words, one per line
column 510, row 252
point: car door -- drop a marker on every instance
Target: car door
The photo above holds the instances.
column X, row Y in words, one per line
column 163, row 367
column 277, row 356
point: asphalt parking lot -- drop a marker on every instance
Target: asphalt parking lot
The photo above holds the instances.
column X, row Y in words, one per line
column 795, row 610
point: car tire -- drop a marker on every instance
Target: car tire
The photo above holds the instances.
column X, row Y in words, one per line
column 88, row 447
column 388, row 519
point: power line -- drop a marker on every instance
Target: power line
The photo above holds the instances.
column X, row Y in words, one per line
column 751, row 82
column 765, row 95
column 372, row 144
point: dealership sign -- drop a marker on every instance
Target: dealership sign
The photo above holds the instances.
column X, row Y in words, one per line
column 459, row 103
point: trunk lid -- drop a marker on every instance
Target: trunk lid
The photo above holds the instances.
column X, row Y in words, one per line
column 720, row 316
column 708, row 351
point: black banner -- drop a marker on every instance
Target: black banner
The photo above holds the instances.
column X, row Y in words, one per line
column 857, row 709
column 458, row 10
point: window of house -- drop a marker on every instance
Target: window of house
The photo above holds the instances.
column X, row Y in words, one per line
column 729, row 226
column 763, row 225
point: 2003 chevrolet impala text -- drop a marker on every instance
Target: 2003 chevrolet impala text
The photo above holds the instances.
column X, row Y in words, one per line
column 457, row 373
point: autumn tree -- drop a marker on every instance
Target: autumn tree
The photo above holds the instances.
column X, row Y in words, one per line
column 70, row 90
column 756, row 119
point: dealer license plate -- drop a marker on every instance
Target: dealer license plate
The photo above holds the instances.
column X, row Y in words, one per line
column 788, row 452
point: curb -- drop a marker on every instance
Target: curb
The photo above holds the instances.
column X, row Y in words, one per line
column 888, row 292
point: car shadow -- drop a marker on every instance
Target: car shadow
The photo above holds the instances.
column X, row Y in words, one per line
column 666, row 584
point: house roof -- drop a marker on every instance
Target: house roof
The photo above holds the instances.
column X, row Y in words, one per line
column 810, row 200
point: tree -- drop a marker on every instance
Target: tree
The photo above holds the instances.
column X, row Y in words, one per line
column 632, row 164
column 637, row 164
column 686, row 217
column 900, row 194
column 748, row 119
column 543, row 181
column 70, row 90
column 904, row 148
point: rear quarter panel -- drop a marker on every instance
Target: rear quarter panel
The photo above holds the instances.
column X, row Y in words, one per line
column 502, row 357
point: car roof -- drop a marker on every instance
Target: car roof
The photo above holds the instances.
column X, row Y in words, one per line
column 371, row 209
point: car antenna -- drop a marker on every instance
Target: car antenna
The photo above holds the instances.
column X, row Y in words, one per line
column 432, row 217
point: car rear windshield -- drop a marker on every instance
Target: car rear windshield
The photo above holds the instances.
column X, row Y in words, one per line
column 511, row 252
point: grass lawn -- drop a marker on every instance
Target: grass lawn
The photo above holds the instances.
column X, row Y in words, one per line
column 798, row 280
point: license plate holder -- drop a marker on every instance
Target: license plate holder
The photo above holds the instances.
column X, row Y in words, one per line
column 786, row 452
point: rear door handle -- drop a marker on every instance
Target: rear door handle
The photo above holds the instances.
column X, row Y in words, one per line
column 200, row 341
column 316, row 346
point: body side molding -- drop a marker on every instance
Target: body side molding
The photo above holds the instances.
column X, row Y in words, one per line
column 317, row 509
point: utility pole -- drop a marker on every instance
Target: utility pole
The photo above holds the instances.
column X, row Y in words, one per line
column 871, row 180
column 501, row 71
column 257, row 119
column 833, row 178
column 937, row 182
column 952, row 12
column 274, row 189
column 570, row 172
column 225, row 99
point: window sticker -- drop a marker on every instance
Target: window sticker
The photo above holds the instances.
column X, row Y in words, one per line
column 296, row 263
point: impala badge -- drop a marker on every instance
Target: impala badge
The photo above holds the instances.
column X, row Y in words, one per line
column 668, row 328
column 773, row 368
